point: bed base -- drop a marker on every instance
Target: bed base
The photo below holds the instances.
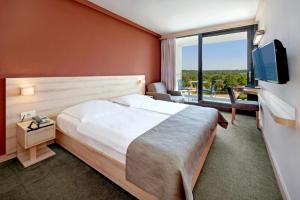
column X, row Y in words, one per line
column 113, row 169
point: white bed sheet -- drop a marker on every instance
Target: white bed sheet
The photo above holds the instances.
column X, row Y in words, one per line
column 111, row 134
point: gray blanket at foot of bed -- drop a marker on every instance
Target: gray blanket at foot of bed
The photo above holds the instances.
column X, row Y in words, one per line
column 162, row 161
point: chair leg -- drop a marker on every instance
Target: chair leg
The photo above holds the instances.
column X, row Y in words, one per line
column 234, row 116
column 257, row 119
column 233, row 110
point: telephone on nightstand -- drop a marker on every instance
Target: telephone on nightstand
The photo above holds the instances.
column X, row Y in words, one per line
column 38, row 122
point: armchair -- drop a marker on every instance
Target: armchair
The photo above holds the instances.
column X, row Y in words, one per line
column 159, row 92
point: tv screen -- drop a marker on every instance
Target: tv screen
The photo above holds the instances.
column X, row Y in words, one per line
column 268, row 58
column 270, row 63
column 258, row 65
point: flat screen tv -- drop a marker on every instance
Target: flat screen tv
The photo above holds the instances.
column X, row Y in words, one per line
column 270, row 63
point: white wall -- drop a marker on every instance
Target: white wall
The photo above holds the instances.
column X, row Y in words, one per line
column 281, row 20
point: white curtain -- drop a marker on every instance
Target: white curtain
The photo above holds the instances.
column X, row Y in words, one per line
column 168, row 63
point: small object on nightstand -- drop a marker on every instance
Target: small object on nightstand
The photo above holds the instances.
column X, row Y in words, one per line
column 32, row 141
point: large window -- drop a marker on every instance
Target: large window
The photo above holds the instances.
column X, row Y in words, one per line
column 224, row 63
column 206, row 64
column 187, row 65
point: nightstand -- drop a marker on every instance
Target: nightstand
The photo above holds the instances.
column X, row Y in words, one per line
column 32, row 144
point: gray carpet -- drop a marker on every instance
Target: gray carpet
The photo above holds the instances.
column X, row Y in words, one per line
column 237, row 167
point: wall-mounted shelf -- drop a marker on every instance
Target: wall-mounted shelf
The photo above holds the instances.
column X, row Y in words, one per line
column 281, row 112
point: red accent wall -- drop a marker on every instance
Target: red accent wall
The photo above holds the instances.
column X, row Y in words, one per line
column 66, row 38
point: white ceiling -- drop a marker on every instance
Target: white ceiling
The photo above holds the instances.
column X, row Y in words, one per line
column 169, row 16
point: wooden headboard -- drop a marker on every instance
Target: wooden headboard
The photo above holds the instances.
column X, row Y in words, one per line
column 54, row 94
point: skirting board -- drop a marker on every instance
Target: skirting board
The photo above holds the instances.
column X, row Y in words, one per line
column 278, row 175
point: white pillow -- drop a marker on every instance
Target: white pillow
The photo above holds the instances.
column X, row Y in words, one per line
column 133, row 100
column 92, row 109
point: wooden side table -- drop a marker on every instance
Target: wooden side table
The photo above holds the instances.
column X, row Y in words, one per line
column 32, row 144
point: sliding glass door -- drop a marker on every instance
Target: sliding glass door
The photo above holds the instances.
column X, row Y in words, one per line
column 206, row 64
column 224, row 63
column 187, row 66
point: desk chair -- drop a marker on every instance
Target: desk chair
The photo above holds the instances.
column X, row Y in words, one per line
column 242, row 105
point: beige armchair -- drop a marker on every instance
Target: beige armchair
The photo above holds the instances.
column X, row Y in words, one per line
column 159, row 92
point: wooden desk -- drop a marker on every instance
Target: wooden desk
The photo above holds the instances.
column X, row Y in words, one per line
column 281, row 112
column 253, row 91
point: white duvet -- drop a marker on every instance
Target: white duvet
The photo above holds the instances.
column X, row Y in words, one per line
column 120, row 129
column 116, row 129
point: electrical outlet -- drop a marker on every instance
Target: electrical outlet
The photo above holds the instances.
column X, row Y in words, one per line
column 28, row 114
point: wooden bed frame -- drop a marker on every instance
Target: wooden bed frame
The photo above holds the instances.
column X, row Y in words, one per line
column 113, row 169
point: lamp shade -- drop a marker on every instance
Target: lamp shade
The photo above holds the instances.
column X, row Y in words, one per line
column 142, row 81
column 25, row 91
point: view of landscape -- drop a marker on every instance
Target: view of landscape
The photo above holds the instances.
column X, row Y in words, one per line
column 220, row 78
column 215, row 81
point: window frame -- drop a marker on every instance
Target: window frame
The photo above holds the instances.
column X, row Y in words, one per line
column 251, row 29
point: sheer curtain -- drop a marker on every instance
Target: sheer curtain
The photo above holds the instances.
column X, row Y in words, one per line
column 168, row 63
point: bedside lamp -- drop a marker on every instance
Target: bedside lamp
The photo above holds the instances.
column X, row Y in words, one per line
column 26, row 91
column 142, row 82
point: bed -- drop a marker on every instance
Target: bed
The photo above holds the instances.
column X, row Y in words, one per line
column 102, row 133
column 54, row 95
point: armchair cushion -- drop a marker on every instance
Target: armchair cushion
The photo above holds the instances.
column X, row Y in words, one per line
column 158, row 87
column 160, row 96
column 174, row 93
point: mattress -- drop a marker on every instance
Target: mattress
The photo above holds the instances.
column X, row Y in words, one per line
column 110, row 134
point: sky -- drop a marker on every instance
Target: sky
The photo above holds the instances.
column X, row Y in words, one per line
column 230, row 55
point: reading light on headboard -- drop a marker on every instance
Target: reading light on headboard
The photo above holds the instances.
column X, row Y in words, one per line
column 26, row 91
column 142, row 81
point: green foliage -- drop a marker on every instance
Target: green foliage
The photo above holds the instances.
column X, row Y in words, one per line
column 188, row 76
column 242, row 96
column 221, row 78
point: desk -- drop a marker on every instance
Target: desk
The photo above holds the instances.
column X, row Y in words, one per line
column 253, row 91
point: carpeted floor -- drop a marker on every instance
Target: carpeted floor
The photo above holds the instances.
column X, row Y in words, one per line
column 237, row 168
